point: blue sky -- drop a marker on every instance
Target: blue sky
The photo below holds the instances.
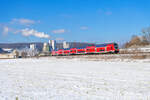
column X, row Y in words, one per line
column 72, row 20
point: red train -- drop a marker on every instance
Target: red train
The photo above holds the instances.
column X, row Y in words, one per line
column 101, row 48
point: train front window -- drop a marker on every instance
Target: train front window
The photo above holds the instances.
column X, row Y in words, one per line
column 116, row 46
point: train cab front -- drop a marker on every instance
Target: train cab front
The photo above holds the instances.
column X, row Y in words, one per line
column 116, row 48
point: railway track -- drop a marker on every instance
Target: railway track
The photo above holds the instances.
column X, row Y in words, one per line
column 109, row 56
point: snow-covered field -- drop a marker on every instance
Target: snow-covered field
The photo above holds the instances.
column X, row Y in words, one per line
column 73, row 79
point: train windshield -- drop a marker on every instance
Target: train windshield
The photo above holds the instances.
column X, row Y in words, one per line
column 116, row 45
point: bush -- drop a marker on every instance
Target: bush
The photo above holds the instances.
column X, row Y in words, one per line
column 136, row 41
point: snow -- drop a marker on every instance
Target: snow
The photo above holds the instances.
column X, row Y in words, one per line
column 73, row 79
column 145, row 49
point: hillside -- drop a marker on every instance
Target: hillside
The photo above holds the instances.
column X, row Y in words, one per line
column 39, row 45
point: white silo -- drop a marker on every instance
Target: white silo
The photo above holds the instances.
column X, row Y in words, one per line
column 32, row 46
column 45, row 47
column 52, row 43
column 65, row 45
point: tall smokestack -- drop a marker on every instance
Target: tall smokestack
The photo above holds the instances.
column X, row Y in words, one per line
column 52, row 44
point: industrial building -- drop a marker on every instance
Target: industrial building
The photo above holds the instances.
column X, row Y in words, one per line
column 32, row 46
column 65, row 45
column 46, row 47
column 52, row 44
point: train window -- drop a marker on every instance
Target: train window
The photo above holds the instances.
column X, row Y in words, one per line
column 73, row 50
column 111, row 47
column 101, row 49
column 81, row 51
column 116, row 46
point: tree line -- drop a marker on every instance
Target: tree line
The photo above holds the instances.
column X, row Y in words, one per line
column 142, row 40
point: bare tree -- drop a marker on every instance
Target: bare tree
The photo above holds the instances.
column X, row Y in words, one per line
column 146, row 33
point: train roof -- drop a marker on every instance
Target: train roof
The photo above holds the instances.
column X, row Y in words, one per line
column 102, row 45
